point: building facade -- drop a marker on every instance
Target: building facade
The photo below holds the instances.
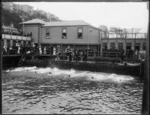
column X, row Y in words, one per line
column 76, row 34
column 81, row 35
column 11, row 36
column 126, row 41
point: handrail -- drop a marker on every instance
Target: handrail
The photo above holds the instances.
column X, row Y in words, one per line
column 23, row 56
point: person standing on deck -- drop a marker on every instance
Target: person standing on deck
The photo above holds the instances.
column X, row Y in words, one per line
column 54, row 51
column 72, row 54
column 122, row 55
column 18, row 52
column 58, row 52
column 136, row 53
column 5, row 49
column 40, row 50
column 85, row 56
column 76, row 55
column 68, row 53
column 45, row 50
column 10, row 50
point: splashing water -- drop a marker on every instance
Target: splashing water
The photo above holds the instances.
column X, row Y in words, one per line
column 94, row 76
column 57, row 91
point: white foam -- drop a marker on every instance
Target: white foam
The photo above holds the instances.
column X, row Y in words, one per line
column 96, row 76
column 21, row 69
column 111, row 77
column 41, row 70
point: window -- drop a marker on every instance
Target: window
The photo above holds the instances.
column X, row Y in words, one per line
column 47, row 33
column 105, row 46
column 8, row 43
column 112, row 45
column 14, row 43
column 80, row 32
column 137, row 46
column 128, row 46
column 29, row 42
column 64, row 33
column 144, row 46
column 120, row 46
column 19, row 41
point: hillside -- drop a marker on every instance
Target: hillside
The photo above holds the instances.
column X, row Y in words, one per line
column 15, row 17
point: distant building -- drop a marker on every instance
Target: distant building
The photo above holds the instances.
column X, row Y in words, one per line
column 124, row 43
column 104, row 30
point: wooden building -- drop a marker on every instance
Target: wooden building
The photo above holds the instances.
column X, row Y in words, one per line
column 11, row 36
column 80, row 35
column 76, row 34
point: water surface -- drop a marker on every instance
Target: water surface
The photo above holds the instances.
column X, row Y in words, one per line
column 51, row 90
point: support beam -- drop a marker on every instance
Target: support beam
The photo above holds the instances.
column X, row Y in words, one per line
column 145, row 104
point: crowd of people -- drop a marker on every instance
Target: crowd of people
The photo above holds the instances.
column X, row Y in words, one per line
column 72, row 54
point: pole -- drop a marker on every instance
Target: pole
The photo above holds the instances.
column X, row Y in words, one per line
column 88, row 43
column 135, row 42
column 22, row 27
column 38, row 35
column 101, row 47
column 125, row 41
column 145, row 103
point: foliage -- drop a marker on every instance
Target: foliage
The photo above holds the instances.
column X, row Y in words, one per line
column 9, row 17
column 16, row 16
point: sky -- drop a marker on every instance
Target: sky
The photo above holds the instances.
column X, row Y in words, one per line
column 123, row 14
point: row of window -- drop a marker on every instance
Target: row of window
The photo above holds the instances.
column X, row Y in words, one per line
column 121, row 45
column 64, row 33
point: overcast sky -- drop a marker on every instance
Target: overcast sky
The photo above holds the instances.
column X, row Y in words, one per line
column 123, row 15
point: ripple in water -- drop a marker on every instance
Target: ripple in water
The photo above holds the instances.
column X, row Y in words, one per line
column 51, row 90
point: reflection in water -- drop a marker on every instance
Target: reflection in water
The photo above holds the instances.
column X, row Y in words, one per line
column 50, row 90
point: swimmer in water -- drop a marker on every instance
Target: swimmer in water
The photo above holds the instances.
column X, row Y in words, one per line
column 35, row 72
column 50, row 73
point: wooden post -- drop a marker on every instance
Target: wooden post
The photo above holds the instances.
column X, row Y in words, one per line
column 39, row 35
column 125, row 43
column 101, row 45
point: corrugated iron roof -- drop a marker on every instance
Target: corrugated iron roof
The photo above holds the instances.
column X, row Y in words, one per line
column 66, row 23
column 34, row 21
column 59, row 23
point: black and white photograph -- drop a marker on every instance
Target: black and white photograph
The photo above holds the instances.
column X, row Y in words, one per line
column 75, row 57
